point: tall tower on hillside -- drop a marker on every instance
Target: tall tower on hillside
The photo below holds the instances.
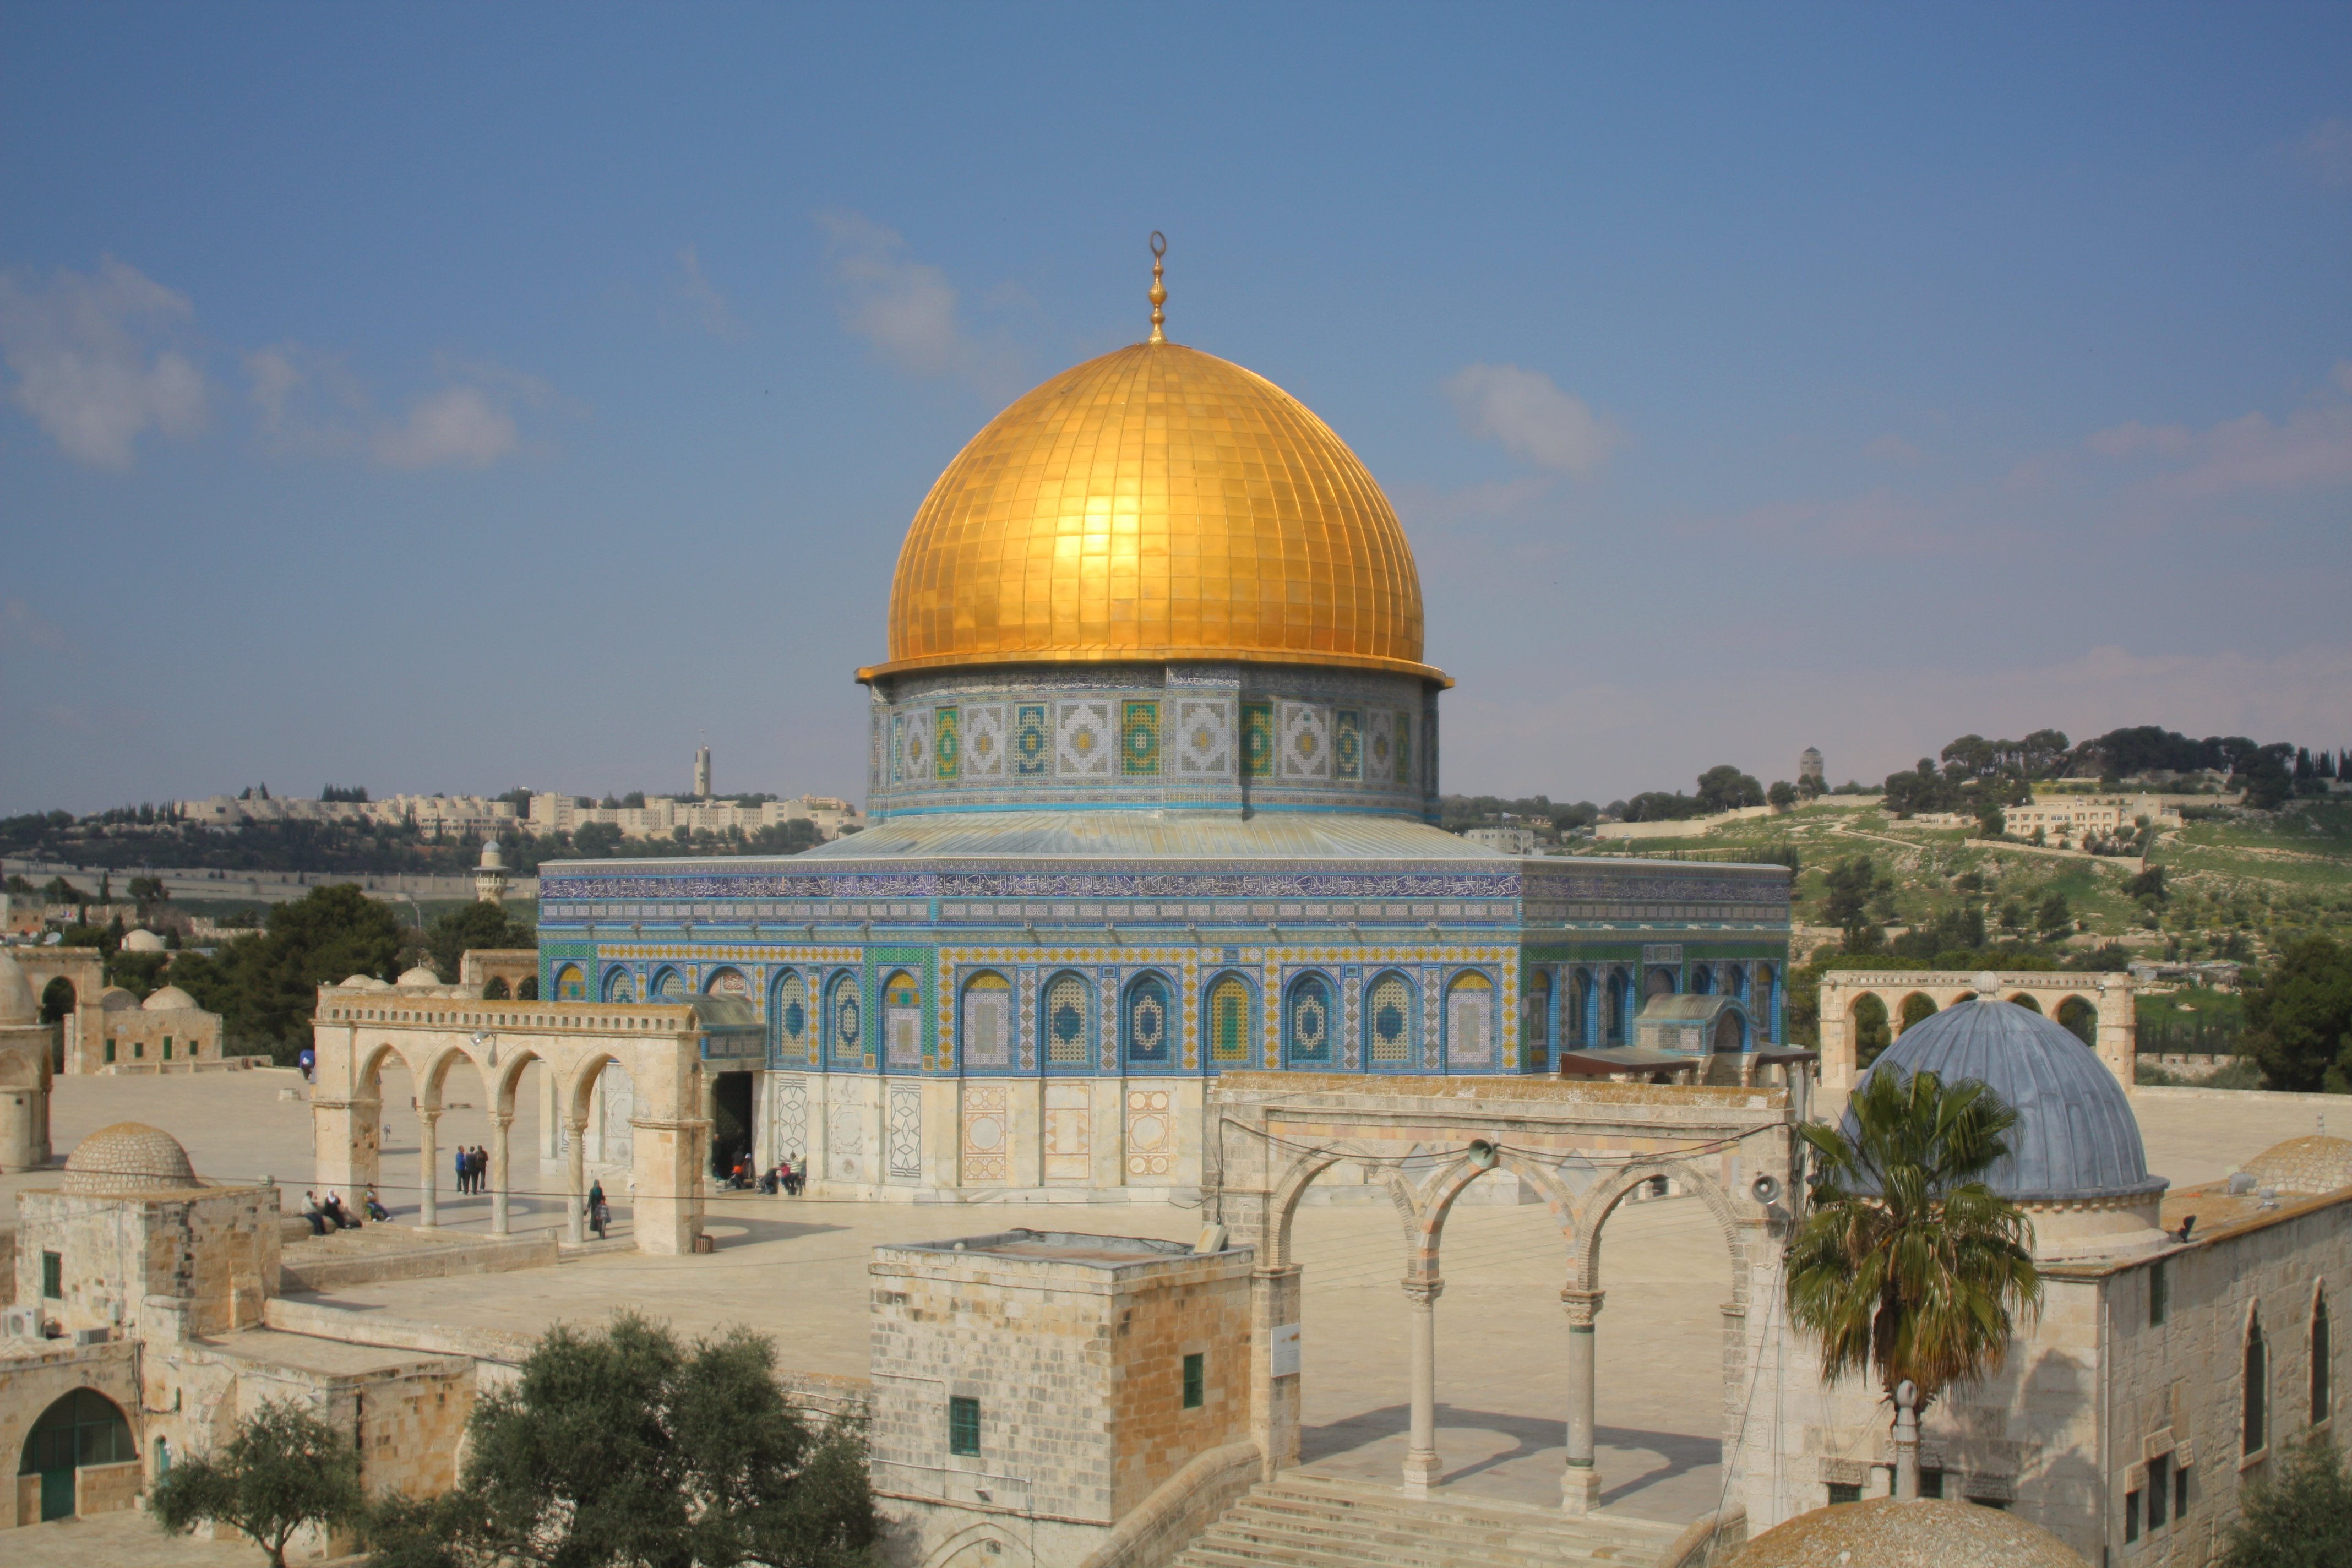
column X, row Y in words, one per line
column 702, row 772
column 1808, row 768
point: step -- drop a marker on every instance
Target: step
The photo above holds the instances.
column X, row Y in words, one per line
column 1438, row 1548
column 1448, row 1507
column 1309, row 1521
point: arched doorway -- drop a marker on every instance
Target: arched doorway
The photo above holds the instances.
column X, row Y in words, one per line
column 1872, row 1033
column 82, row 1431
column 2080, row 1019
column 58, row 1003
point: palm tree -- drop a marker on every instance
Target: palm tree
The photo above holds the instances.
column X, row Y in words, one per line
column 1908, row 1266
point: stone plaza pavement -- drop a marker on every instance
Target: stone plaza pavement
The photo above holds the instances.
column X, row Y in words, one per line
column 796, row 1269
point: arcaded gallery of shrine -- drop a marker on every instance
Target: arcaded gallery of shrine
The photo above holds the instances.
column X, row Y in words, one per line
column 1153, row 785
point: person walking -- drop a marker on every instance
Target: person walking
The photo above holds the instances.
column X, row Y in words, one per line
column 459, row 1160
column 596, row 1210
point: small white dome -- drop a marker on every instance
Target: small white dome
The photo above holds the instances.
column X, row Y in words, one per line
column 171, row 998
column 142, row 940
column 420, row 975
column 493, row 857
column 364, row 983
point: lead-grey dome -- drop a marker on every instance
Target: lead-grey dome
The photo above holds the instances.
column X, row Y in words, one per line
column 2076, row 1136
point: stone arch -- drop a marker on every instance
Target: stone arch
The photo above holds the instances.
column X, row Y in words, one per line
column 508, row 1076
column 1868, row 1017
column 1593, row 1219
column 367, row 1081
column 2027, row 1000
column 987, row 1544
column 1916, row 1007
column 1435, row 1203
column 2079, row 1016
column 577, row 1090
column 1283, row 1203
column 435, row 1075
column 79, row 1430
column 495, row 988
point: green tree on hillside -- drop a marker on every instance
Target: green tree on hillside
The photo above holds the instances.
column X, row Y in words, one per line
column 265, row 986
column 2299, row 1020
column 477, row 925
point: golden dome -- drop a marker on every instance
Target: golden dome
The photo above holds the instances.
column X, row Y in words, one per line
column 1156, row 504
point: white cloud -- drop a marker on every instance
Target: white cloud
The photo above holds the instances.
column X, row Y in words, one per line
column 458, row 425
column 2311, row 450
column 707, row 305
column 906, row 309
column 1529, row 418
column 94, row 363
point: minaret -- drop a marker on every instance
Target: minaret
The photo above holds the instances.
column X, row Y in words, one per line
column 490, row 876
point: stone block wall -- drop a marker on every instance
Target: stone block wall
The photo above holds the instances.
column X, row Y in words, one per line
column 1075, row 1354
column 216, row 1248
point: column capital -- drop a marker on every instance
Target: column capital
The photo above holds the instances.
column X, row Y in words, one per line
column 428, row 1115
column 503, row 1118
column 1582, row 1306
column 1421, row 1292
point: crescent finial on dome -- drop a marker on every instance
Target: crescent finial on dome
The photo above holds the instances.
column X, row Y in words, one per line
column 1159, row 287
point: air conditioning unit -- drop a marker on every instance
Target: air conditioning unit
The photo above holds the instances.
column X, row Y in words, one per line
column 22, row 1323
column 92, row 1336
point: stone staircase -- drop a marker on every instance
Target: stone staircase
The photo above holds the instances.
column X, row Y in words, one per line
column 1309, row 1521
column 374, row 1252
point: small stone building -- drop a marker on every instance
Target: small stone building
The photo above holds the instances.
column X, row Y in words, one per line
column 167, row 1032
column 139, row 1331
column 1032, row 1388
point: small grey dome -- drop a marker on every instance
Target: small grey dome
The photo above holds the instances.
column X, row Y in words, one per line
column 493, row 857
column 2076, row 1136
column 127, row 1158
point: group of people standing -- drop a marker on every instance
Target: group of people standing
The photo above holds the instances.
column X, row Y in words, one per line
column 473, row 1168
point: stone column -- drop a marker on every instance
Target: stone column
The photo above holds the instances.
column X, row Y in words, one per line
column 428, row 1162
column 500, row 1120
column 1580, row 1486
column 575, row 1180
column 1273, row 1375
column 1422, row 1471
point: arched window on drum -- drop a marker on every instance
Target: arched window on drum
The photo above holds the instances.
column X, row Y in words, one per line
column 1229, row 1030
column 845, row 1021
column 1537, row 1008
column 571, row 984
column 1390, row 1006
column 987, row 1021
column 1069, row 1020
column 620, row 986
column 1149, row 1024
column 788, row 1016
column 669, row 985
column 1308, row 1023
column 1470, row 1021
column 727, row 981
column 902, row 1020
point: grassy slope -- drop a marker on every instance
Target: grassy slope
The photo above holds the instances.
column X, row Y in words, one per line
column 2274, row 879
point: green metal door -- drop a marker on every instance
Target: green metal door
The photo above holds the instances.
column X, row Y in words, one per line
column 58, row 1493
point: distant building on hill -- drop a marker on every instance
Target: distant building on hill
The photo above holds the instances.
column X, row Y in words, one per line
column 1810, row 770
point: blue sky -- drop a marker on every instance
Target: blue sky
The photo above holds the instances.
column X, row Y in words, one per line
column 448, row 398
